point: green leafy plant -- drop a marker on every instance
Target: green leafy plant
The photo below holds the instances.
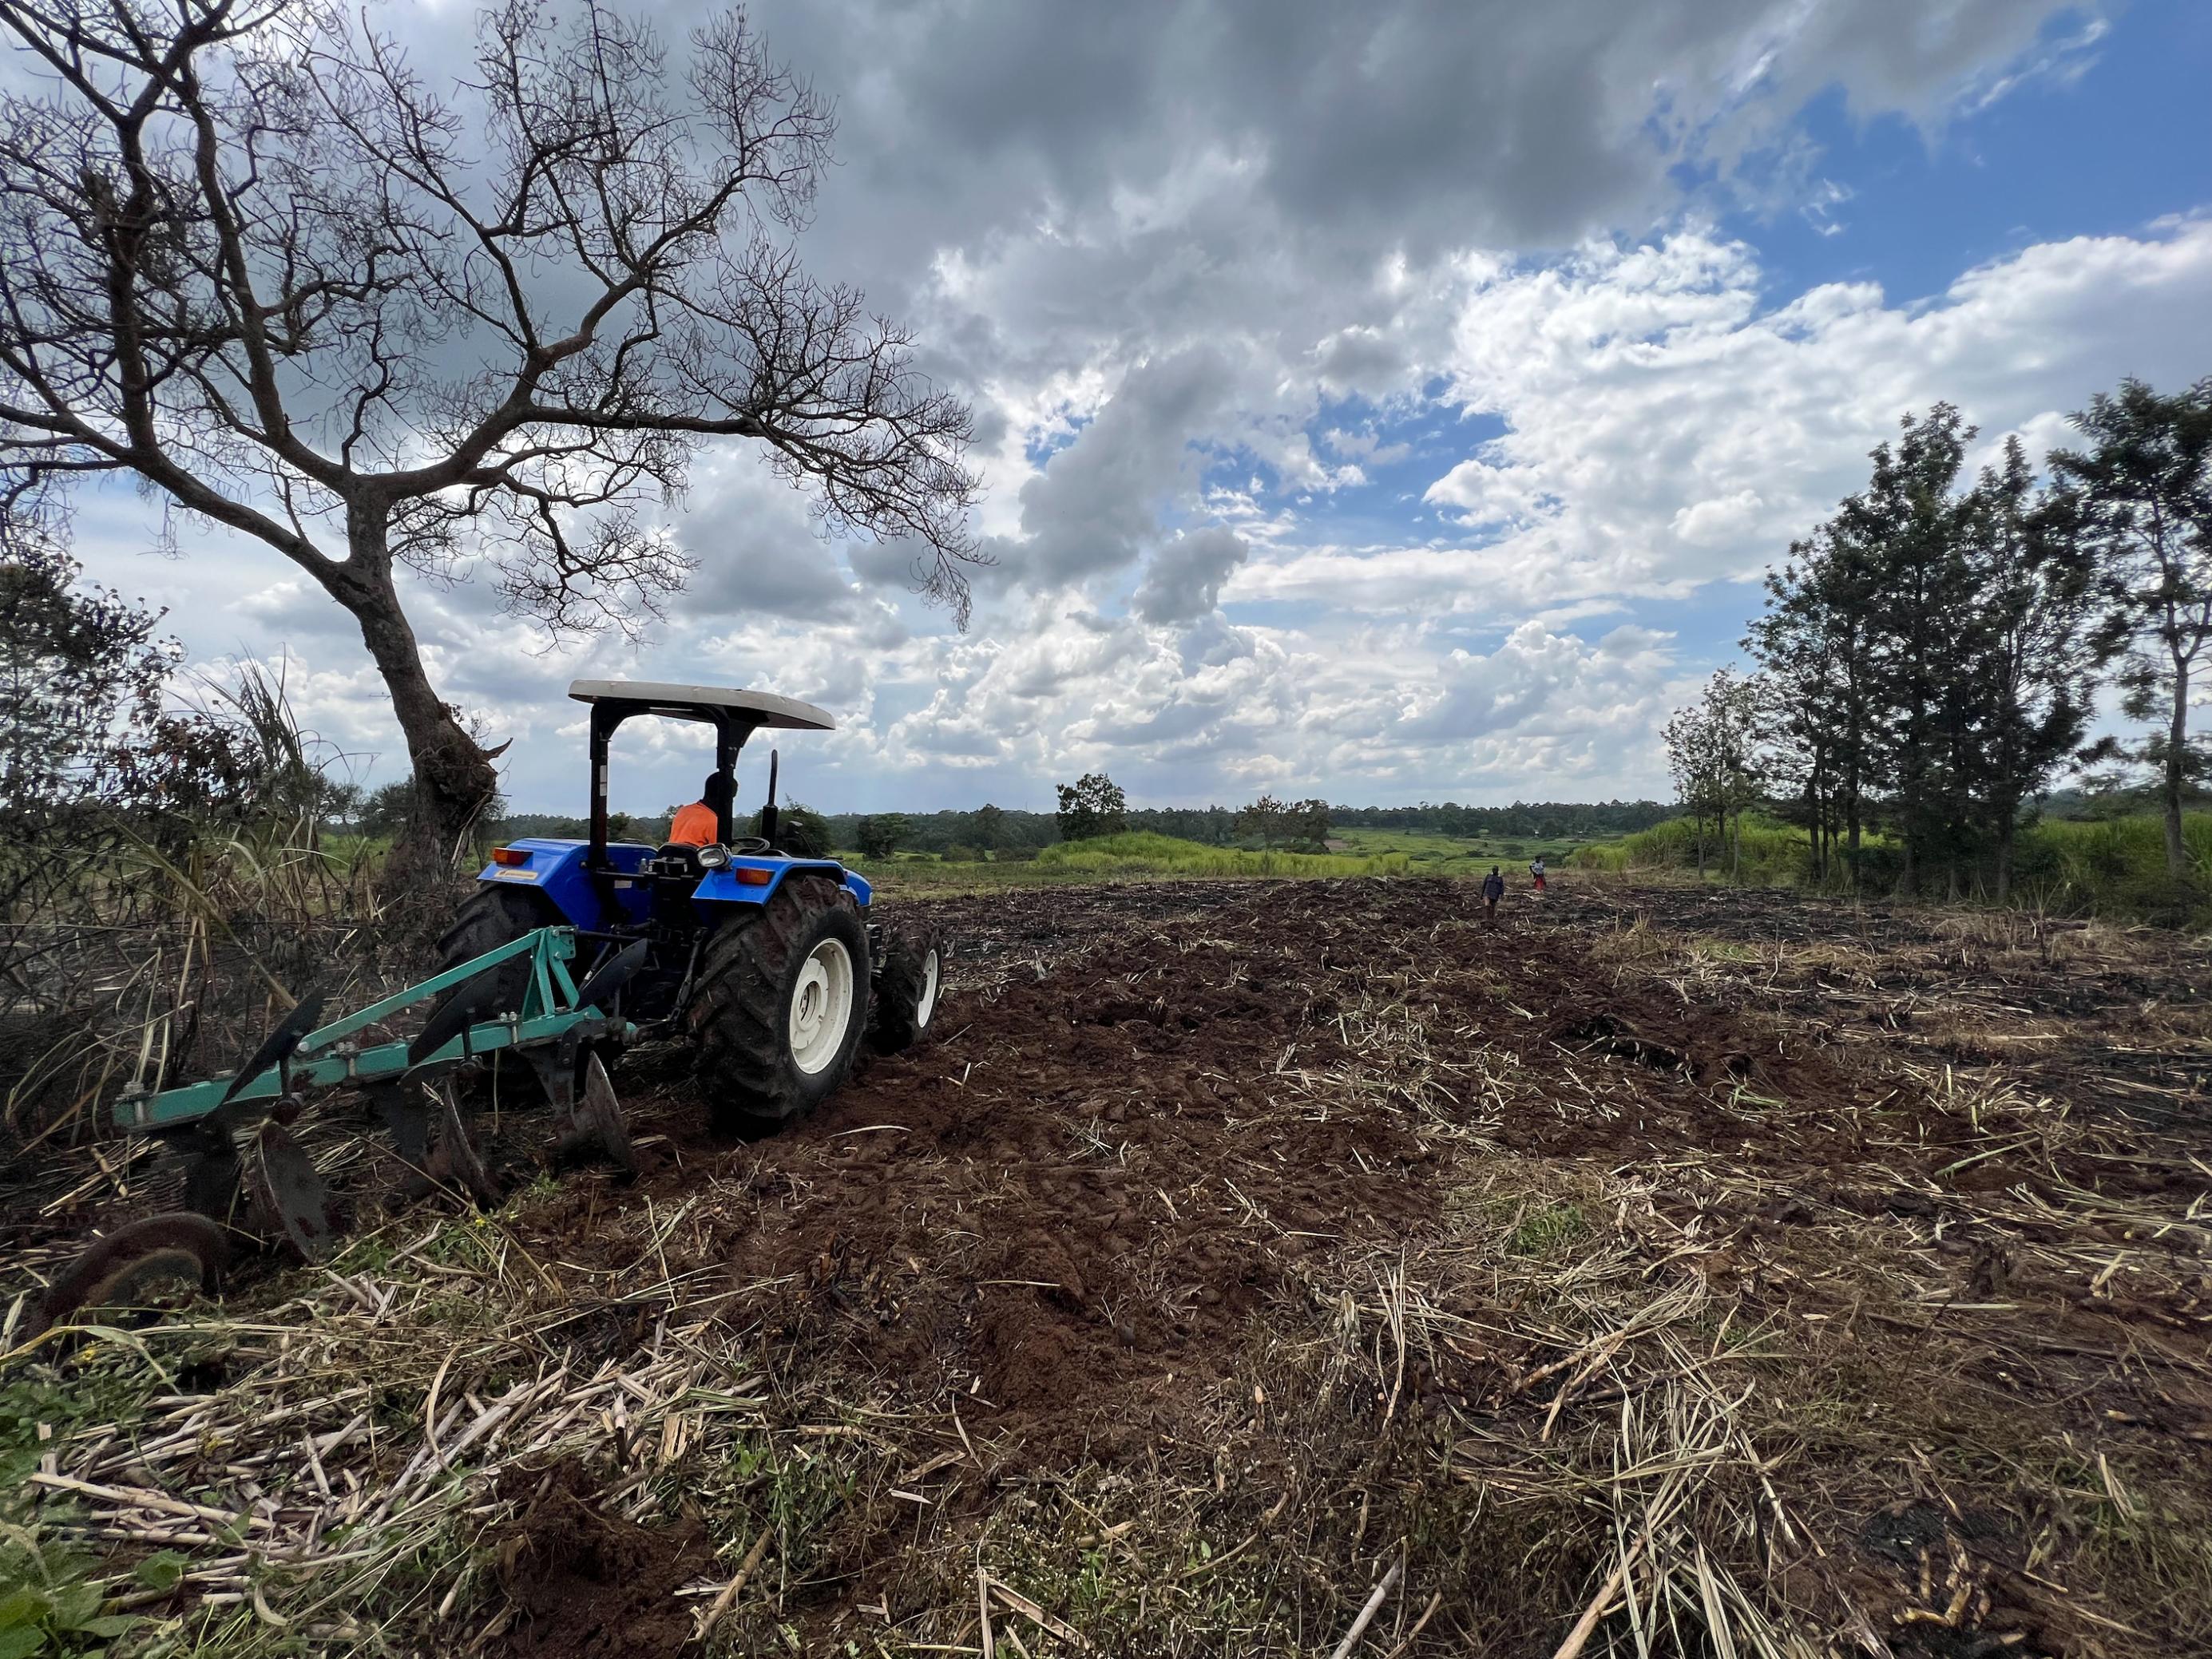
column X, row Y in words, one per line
column 54, row 1606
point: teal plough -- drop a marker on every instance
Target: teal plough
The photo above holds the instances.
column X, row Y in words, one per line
column 549, row 1017
column 248, row 1181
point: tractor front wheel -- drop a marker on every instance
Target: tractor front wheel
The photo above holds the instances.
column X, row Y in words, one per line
column 779, row 1005
column 907, row 985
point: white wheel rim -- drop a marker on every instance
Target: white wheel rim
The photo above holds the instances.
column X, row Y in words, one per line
column 926, row 1005
column 821, row 1007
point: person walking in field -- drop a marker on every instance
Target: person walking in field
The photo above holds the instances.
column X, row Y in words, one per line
column 700, row 824
column 1536, row 869
column 1493, row 888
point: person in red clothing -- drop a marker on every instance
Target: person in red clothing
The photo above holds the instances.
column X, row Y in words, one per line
column 700, row 824
column 1536, row 869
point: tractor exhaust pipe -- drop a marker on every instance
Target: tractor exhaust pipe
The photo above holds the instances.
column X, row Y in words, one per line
column 769, row 815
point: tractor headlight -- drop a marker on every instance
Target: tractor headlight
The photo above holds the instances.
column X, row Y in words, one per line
column 714, row 858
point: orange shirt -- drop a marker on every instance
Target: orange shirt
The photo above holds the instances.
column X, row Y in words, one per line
column 694, row 826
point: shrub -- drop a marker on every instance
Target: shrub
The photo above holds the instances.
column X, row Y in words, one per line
column 879, row 836
column 800, row 831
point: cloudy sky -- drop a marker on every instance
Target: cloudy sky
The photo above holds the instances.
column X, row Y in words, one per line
column 1389, row 402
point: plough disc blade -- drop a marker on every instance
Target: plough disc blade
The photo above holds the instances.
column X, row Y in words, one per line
column 598, row 1121
column 406, row 1113
column 610, row 976
column 289, row 1201
column 455, row 1161
column 469, row 1001
column 126, row 1268
column 278, row 1045
column 214, row 1179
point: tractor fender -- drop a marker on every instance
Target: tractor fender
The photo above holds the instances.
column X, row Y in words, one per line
column 753, row 880
column 556, row 868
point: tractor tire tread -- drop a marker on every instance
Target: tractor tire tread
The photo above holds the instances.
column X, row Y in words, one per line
column 893, row 1027
column 737, row 1018
column 493, row 916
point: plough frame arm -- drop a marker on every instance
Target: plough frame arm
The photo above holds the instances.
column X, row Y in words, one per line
column 549, row 1014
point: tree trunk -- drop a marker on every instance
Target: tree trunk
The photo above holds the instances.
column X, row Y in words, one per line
column 1851, row 825
column 2177, row 750
column 454, row 780
column 2005, row 833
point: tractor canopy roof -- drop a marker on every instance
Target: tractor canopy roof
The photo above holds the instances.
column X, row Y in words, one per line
column 712, row 703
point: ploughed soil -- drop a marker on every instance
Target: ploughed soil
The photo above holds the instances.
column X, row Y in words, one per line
column 1212, row 1195
column 579, row 1581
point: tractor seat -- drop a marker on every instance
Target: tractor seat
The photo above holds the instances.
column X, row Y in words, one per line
column 678, row 860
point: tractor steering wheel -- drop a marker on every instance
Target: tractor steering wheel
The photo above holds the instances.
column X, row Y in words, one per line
column 748, row 844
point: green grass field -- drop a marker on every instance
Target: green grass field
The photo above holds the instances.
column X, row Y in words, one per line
column 2113, row 867
column 1427, row 853
column 1136, row 856
column 1143, row 857
column 1139, row 854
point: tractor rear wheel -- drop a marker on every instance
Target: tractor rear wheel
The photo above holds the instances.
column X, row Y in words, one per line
column 906, row 991
column 779, row 1005
column 495, row 916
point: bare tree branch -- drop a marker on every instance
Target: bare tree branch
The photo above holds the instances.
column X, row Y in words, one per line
column 250, row 254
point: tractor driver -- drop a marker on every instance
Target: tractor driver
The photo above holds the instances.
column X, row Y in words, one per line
column 700, row 824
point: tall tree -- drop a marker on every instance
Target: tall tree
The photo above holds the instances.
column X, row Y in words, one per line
column 1927, row 654
column 1711, row 751
column 2034, row 681
column 1815, row 645
column 1731, row 721
column 881, row 836
column 1267, row 821
column 81, row 672
column 1092, row 805
column 252, row 257
column 2146, row 502
column 1910, row 525
column 1693, row 760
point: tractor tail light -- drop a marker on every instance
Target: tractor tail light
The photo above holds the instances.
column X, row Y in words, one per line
column 509, row 855
column 749, row 876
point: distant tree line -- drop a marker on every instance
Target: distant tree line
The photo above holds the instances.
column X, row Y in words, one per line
column 1929, row 658
column 1531, row 820
column 1096, row 805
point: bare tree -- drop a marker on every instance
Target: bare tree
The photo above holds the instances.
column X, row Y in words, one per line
column 249, row 255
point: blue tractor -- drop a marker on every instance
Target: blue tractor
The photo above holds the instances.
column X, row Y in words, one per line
column 767, row 961
column 769, row 964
